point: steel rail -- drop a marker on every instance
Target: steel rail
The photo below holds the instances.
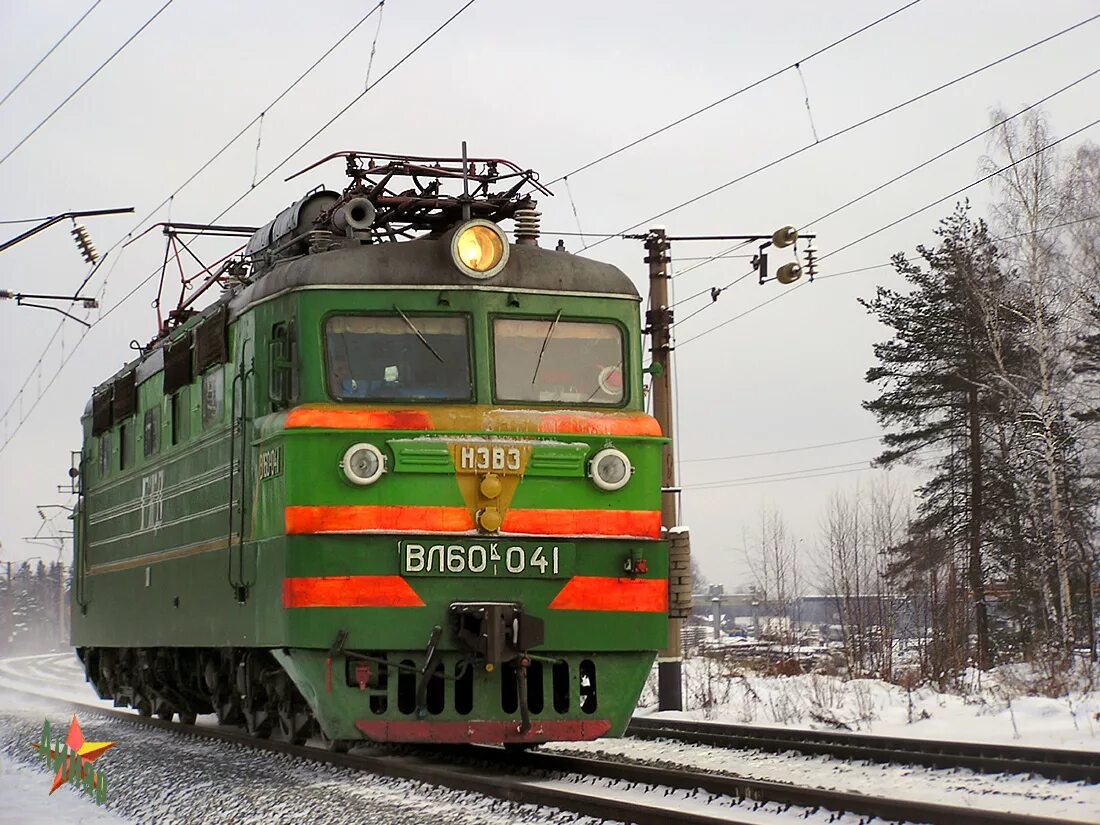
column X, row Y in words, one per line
column 742, row 788
column 465, row 774
column 1053, row 763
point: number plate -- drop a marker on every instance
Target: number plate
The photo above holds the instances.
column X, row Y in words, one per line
column 505, row 559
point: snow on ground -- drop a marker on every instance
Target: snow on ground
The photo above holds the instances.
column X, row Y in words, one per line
column 52, row 675
column 1012, row 794
column 164, row 778
column 866, row 705
column 25, row 800
column 218, row 783
column 988, row 707
column 747, row 812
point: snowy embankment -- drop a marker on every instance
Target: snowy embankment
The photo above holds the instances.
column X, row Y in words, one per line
column 797, row 701
column 990, row 707
column 987, row 708
column 1020, row 794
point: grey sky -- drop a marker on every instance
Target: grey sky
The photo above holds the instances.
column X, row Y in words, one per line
column 551, row 87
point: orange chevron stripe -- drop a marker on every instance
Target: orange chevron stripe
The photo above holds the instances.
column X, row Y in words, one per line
column 349, row 591
column 344, row 418
column 473, row 419
column 305, row 519
column 599, row 425
column 625, row 595
column 309, row 519
column 632, row 523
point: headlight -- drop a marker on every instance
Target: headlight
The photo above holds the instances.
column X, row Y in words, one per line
column 479, row 248
column 610, row 469
column 363, row 464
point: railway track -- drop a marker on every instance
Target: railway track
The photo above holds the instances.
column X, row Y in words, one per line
column 1053, row 763
column 627, row 792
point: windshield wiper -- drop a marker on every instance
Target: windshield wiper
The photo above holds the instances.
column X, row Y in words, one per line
column 542, row 351
column 418, row 334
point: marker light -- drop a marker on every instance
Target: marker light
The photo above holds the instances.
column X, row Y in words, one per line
column 363, row 464
column 610, row 469
column 479, row 248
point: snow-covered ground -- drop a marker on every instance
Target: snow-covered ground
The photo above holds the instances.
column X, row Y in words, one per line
column 24, row 799
column 1011, row 794
column 137, row 769
column 986, row 708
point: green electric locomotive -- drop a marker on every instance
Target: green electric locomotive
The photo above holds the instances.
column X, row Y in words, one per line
column 395, row 484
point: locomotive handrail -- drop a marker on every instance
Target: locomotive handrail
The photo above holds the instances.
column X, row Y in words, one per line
column 238, row 583
column 80, row 541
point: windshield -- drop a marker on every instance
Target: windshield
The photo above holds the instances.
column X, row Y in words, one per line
column 398, row 357
column 555, row 361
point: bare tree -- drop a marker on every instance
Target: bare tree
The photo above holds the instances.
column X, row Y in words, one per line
column 858, row 532
column 773, row 561
column 1032, row 207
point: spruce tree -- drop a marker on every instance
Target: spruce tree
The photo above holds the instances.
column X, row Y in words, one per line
column 935, row 391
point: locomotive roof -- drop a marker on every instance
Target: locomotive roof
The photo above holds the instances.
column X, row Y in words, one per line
column 427, row 263
column 409, row 264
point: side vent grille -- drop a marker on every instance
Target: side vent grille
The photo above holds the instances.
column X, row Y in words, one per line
column 123, row 397
column 101, row 412
column 211, row 342
column 177, row 364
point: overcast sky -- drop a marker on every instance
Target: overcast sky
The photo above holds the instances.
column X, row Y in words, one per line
column 551, row 86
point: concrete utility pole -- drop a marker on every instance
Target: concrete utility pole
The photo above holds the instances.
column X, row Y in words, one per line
column 659, row 321
column 659, row 327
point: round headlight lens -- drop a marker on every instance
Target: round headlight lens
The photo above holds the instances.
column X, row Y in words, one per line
column 363, row 464
column 610, row 469
column 480, row 248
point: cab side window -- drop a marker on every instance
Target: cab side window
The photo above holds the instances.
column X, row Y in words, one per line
column 125, row 445
column 177, row 407
column 105, row 454
column 150, row 432
column 213, row 397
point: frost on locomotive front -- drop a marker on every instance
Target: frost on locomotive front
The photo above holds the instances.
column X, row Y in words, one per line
column 396, row 484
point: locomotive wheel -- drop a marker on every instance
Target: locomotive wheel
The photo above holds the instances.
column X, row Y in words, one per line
column 143, row 706
column 227, row 709
column 336, row 745
column 165, row 713
column 188, row 718
column 294, row 728
column 257, row 723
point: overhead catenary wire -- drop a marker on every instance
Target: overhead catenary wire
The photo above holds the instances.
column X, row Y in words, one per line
column 894, row 223
column 784, row 450
column 957, row 192
column 86, row 81
column 105, row 314
column 52, row 49
column 374, row 43
column 573, row 205
column 715, row 291
column 892, row 263
column 42, row 391
column 734, row 94
column 852, row 127
column 194, row 175
column 701, row 485
column 301, row 146
column 751, row 483
column 25, row 220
